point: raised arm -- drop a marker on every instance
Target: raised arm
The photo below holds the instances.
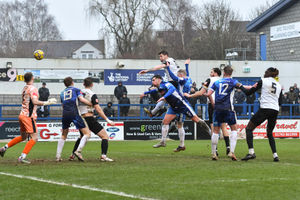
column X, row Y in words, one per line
column 253, row 89
column 158, row 67
column 187, row 62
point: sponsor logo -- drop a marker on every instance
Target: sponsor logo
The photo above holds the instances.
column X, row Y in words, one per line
column 12, row 129
column 112, row 136
column 45, row 134
column 112, row 129
column 150, row 127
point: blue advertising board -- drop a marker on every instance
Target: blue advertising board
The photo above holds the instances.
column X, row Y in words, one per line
column 130, row 76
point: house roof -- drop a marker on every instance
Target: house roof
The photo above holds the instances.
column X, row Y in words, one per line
column 55, row 49
column 269, row 14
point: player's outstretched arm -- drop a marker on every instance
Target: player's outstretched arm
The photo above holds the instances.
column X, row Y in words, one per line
column 252, row 89
column 35, row 101
column 101, row 114
column 83, row 100
column 197, row 94
column 158, row 67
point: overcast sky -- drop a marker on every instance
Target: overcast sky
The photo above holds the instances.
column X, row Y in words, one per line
column 75, row 24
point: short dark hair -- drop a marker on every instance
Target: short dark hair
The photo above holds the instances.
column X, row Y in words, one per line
column 157, row 76
column 217, row 70
column 27, row 77
column 163, row 52
column 44, row 83
column 271, row 72
column 68, row 81
column 87, row 82
column 228, row 70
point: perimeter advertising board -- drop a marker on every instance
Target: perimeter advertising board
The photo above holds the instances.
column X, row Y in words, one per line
column 52, row 131
column 149, row 130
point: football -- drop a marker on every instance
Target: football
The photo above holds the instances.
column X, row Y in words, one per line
column 38, row 54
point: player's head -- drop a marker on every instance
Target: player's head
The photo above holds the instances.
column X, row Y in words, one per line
column 68, row 81
column 181, row 73
column 228, row 71
column 163, row 55
column 28, row 77
column 271, row 72
column 215, row 72
column 88, row 82
column 156, row 80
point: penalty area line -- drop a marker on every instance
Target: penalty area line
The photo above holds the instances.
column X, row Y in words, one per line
column 85, row 187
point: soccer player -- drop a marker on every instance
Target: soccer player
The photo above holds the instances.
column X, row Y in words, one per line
column 27, row 118
column 224, row 110
column 178, row 105
column 87, row 112
column 69, row 98
column 184, row 85
column 164, row 58
column 270, row 99
column 215, row 74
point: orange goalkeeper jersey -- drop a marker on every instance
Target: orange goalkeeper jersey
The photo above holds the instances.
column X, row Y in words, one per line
column 28, row 108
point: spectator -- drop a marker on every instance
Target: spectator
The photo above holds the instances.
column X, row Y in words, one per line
column 44, row 94
column 108, row 110
column 120, row 90
column 124, row 109
column 203, row 100
column 285, row 100
column 239, row 98
column 292, row 95
column 193, row 101
column 145, row 101
column 250, row 100
column 296, row 91
column 194, row 85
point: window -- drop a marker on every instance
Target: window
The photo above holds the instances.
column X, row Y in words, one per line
column 90, row 56
column 83, row 56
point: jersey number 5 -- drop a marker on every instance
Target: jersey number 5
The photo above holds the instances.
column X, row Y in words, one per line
column 223, row 88
column 273, row 89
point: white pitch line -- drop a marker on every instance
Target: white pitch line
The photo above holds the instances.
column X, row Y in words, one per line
column 85, row 187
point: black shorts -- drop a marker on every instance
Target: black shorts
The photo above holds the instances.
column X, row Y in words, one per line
column 265, row 114
column 93, row 125
column 210, row 113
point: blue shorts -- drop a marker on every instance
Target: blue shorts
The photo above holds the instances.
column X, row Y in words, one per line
column 179, row 117
column 76, row 119
column 224, row 116
column 185, row 109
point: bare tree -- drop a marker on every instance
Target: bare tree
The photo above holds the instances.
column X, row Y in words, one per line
column 25, row 21
column 127, row 20
column 213, row 25
column 174, row 16
column 261, row 8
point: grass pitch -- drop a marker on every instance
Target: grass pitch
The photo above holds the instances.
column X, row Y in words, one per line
column 143, row 171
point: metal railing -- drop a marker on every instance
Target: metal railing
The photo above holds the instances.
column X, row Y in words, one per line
column 244, row 111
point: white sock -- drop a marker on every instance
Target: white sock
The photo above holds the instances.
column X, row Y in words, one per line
column 164, row 132
column 181, row 134
column 82, row 143
column 158, row 106
column 23, row 155
column 275, row 155
column 251, row 151
column 214, row 142
column 60, row 146
column 233, row 140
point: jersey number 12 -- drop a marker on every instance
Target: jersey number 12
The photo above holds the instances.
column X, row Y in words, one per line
column 223, row 88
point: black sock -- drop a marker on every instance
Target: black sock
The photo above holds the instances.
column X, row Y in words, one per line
column 104, row 146
column 226, row 138
column 76, row 145
column 271, row 141
column 249, row 137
